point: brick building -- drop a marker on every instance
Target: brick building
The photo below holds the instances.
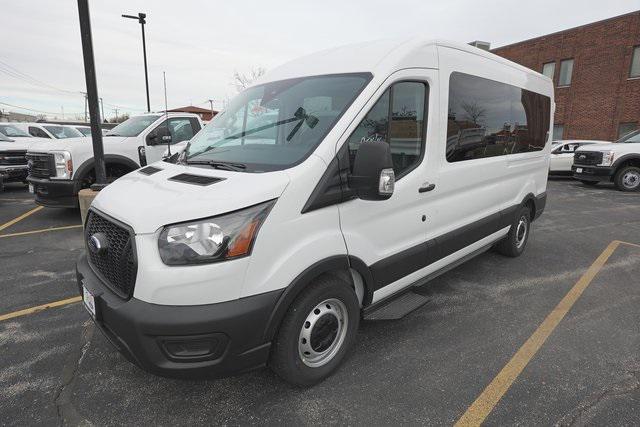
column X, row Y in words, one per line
column 596, row 71
column 204, row 113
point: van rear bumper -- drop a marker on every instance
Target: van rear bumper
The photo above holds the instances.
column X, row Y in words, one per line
column 593, row 173
column 55, row 194
column 200, row 341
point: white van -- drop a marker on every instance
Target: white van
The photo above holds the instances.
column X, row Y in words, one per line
column 61, row 168
column 323, row 194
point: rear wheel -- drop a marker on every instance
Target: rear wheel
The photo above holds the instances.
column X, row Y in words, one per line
column 316, row 333
column 628, row 178
column 514, row 243
column 589, row 183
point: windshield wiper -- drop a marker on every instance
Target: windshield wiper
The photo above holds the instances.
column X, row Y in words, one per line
column 219, row 165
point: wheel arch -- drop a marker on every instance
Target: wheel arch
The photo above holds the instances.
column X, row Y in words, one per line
column 626, row 160
column 340, row 266
column 109, row 159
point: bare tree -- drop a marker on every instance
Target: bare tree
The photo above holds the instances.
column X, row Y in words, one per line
column 474, row 112
column 241, row 81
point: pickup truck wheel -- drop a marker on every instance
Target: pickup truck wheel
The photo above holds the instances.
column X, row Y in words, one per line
column 589, row 183
column 316, row 333
column 513, row 245
column 628, row 178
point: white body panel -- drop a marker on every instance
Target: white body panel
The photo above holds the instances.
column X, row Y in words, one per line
column 562, row 154
column 289, row 242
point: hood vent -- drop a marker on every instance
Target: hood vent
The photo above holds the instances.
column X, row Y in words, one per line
column 149, row 170
column 195, row 179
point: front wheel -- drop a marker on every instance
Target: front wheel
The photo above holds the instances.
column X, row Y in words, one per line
column 316, row 333
column 628, row 178
column 516, row 240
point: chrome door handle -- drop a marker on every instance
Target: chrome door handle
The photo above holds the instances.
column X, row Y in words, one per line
column 426, row 187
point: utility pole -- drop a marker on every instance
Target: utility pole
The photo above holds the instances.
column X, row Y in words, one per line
column 211, row 104
column 142, row 20
column 102, row 109
column 92, row 94
column 85, row 106
column 116, row 110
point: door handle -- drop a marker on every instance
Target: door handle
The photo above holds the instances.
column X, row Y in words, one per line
column 426, row 187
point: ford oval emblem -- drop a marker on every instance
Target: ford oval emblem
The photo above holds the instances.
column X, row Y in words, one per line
column 98, row 244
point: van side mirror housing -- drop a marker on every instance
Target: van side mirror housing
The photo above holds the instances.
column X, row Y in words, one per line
column 373, row 177
column 159, row 136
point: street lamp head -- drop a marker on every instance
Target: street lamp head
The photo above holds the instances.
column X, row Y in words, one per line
column 140, row 18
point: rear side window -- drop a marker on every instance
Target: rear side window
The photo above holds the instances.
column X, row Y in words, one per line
column 34, row 131
column 398, row 118
column 488, row 118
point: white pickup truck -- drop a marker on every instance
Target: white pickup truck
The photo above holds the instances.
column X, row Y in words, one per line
column 618, row 162
column 14, row 143
column 58, row 169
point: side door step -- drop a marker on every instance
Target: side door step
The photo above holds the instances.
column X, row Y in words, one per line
column 396, row 308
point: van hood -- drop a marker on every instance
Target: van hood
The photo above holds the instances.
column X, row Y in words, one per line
column 148, row 202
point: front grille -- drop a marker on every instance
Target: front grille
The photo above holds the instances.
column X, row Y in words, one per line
column 41, row 165
column 587, row 158
column 13, row 158
column 117, row 263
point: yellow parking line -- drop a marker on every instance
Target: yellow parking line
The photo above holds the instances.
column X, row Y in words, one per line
column 39, row 308
column 630, row 244
column 20, row 218
column 484, row 404
column 24, row 233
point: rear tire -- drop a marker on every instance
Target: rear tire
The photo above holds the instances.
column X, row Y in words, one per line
column 628, row 178
column 316, row 333
column 514, row 244
column 589, row 183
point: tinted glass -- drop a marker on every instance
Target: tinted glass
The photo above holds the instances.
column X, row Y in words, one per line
column 34, row 131
column 635, row 63
column 62, row 132
column 276, row 125
column 84, row 131
column 626, row 128
column 549, row 69
column 633, row 137
column 489, row 118
column 566, row 70
column 401, row 124
column 180, row 129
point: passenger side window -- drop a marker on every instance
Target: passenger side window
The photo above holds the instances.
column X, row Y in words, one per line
column 179, row 128
column 488, row 118
column 398, row 118
column 35, row 131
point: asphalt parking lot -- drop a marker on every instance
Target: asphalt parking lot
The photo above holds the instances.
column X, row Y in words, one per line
column 552, row 337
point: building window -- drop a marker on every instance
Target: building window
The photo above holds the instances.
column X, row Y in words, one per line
column 635, row 62
column 558, row 132
column 625, row 128
column 566, row 70
column 549, row 69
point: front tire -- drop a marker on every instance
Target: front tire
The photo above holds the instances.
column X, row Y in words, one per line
column 628, row 178
column 514, row 244
column 316, row 333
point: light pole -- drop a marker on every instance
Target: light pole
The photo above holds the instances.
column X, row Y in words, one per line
column 142, row 20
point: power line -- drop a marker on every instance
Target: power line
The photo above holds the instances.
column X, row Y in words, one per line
column 33, row 110
column 17, row 74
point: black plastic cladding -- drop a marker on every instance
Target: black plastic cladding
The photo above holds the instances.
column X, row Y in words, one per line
column 117, row 267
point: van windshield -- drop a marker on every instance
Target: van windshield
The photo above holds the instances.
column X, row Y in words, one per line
column 133, row 126
column 276, row 125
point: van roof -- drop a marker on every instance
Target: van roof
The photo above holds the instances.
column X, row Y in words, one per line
column 379, row 57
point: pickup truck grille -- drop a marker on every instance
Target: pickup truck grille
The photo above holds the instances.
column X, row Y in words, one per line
column 587, row 158
column 116, row 262
column 13, row 158
column 40, row 165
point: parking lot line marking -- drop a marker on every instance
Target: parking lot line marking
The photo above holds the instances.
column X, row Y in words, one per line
column 20, row 218
column 39, row 308
column 631, row 244
column 491, row 395
column 43, row 230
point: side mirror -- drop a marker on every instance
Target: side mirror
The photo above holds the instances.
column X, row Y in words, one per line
column 373, row 177
column 159, row 136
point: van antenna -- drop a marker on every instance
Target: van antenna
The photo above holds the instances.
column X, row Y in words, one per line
column 166, row 112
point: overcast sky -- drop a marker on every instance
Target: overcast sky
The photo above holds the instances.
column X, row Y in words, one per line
column 200, row 43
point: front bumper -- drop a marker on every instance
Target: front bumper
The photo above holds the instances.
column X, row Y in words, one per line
column 56, row 194
column 228, row 337
column 14, row 173
column 592, row 173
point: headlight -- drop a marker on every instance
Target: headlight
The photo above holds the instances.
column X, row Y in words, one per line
column 63, row 164
column 607, row 158
column 213, row 239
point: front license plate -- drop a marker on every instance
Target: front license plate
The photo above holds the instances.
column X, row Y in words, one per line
column 89, row 301
column 31, row 188
column 578, row 170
